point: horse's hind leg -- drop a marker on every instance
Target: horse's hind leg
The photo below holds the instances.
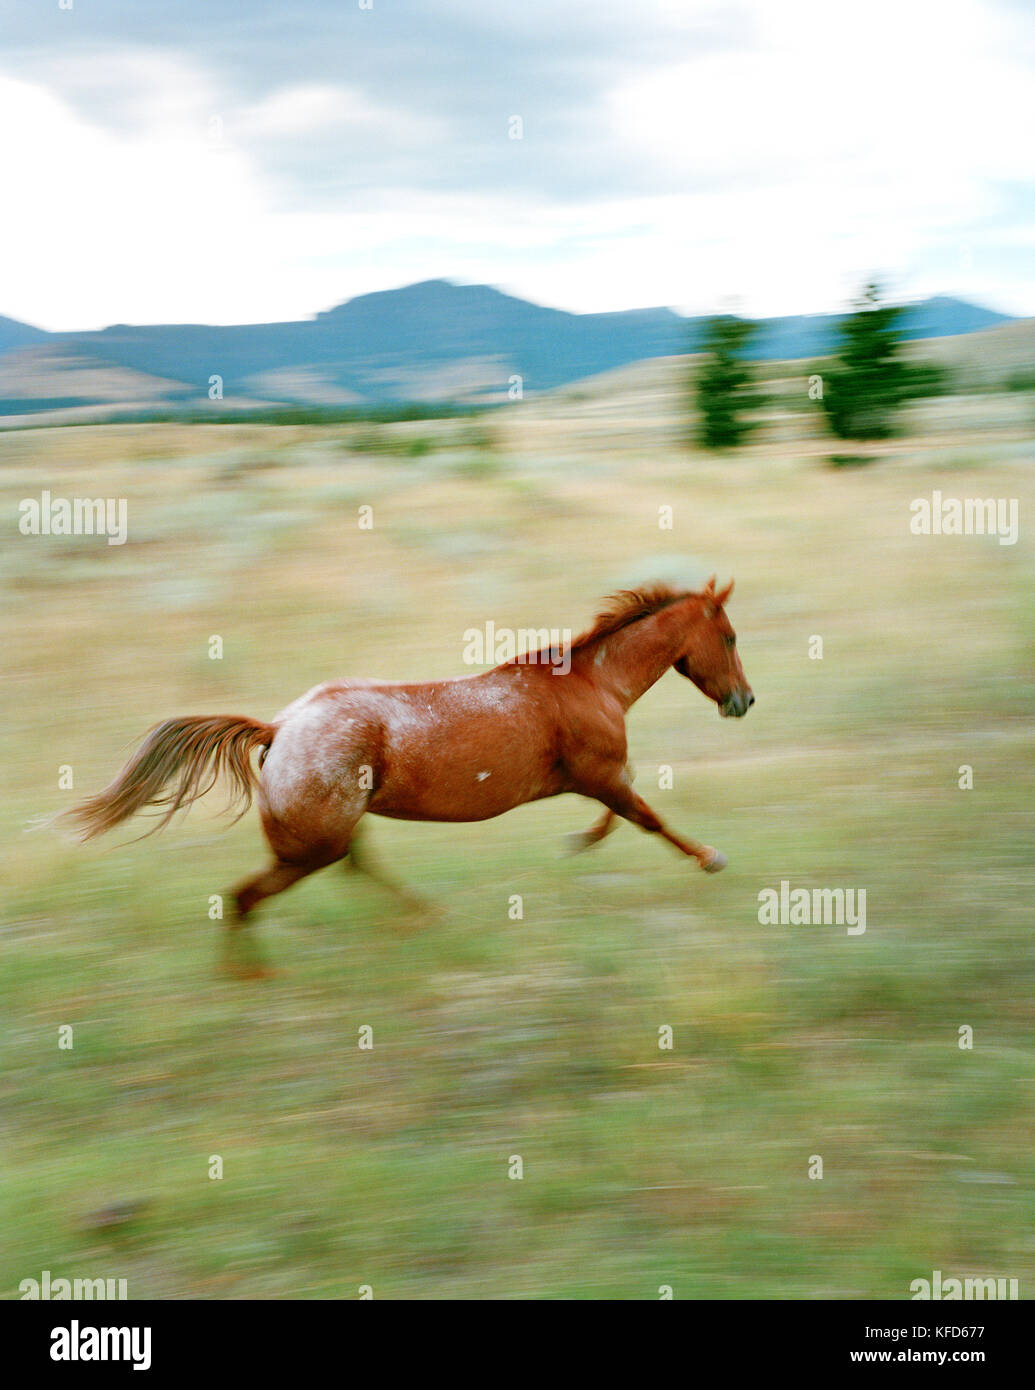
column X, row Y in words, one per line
column 293, row 860
column 247, row 896
column 359, row 858
column 252, row 891
column 311, row 796
column 583, row 839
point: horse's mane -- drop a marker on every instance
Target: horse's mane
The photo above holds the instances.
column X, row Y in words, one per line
column 628, row 606
column 618, row 610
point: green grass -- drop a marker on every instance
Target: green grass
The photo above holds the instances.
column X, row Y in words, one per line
column 536, row 1037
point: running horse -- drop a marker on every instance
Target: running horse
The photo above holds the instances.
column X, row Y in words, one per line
column 453, row 750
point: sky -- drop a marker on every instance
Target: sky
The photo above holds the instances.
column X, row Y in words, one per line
column 227, row 162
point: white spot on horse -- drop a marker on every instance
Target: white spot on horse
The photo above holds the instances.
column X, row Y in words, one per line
column 482, row 776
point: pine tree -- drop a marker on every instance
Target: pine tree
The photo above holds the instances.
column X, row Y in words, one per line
column 869, row 381
column 722, row 390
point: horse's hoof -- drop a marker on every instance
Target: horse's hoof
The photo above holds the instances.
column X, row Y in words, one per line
column 716, row 860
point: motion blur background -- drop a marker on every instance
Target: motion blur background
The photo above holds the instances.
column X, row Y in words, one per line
column 537, row 1037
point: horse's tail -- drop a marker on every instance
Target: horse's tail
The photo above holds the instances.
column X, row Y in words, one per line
column 185, row 755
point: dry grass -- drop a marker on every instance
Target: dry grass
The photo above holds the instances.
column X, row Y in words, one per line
column 537, row 1037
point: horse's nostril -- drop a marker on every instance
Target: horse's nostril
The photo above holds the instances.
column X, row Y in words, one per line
column 750, row 699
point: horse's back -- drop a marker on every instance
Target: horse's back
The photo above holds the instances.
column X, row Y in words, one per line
column 461, row 750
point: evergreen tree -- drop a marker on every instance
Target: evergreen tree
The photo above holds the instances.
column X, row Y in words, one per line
column 869, row 381
column 722, row 390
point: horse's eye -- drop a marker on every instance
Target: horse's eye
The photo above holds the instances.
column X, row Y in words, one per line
column 731, row 640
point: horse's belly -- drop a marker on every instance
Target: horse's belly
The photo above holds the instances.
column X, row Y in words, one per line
column 453, row 785
column 457, row 798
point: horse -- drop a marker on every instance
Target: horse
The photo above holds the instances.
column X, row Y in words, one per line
column 466, row 749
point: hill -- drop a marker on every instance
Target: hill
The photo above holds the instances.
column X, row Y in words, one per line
column 430, row 341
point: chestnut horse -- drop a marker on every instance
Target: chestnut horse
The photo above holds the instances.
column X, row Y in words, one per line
column 455, row 750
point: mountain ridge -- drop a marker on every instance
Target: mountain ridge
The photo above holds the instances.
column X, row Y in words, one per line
column 433, row 339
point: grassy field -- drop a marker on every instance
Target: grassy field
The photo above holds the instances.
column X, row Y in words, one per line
column 643, row 1168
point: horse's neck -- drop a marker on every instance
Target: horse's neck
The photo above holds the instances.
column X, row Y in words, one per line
column 632, row 659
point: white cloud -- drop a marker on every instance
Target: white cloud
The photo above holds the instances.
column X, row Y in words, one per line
column 140, row 225
column 842, row 143
column 829, row 143
column 310, row 109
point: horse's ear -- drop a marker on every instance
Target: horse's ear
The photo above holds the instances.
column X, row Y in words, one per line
column 720, row 599
column 709, row 588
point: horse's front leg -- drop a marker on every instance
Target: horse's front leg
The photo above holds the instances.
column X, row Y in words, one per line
column 623, row 801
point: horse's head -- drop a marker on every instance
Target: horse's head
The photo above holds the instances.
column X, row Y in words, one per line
column 709, row 656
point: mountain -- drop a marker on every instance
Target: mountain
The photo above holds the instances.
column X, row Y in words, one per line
column 435, row 340
column 942, row 317
column 17, row 335
column 396, row 345
column 815, row 335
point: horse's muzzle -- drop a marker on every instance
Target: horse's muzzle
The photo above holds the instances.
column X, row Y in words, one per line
column 737, row 704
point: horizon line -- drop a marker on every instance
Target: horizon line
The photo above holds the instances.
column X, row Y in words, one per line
column 456, row 283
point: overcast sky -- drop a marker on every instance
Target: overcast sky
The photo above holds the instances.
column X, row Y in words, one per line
column 227, row 161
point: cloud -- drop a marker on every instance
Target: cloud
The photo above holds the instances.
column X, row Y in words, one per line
column 122, row 225
column 315, row 108
column 183, row 165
